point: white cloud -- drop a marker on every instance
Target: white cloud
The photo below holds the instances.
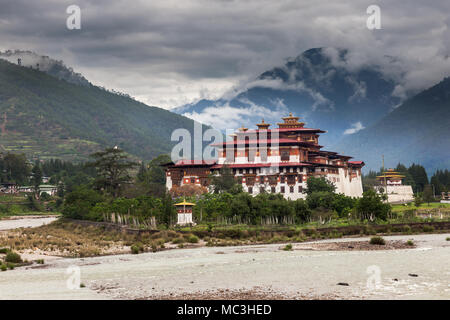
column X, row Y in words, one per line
column 228, row 117
column 355, row 127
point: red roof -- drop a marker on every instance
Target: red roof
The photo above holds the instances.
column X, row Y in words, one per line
column 258, row 141
column 356, row 162
column 287, row 129
column 262, row 165
column 264, row 141
column 195, row 163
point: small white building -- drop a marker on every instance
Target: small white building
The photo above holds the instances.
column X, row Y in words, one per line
column 392, row 185
column 184, row 213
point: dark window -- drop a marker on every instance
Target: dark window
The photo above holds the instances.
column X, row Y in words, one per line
column 282, row 190
column 282, row 179
column 272, row 189
column 300, row 189
column 273, row 180
column 291, row 179
column 240, row 171
column 262, row 190
column 284, row 155
column 291, row 189
column 192, row 180
column 250, row 190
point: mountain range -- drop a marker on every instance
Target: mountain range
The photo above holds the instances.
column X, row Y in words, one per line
column 359, row 107
column 46, row 116
column 418, row 131
column 48, row 110
column 319, row 85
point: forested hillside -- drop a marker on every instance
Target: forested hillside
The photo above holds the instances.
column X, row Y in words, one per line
column 46, row 117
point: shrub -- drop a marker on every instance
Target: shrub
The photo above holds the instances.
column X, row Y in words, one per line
column 40, row 261
column 10, row 265
column 137, row 248
column 13, row 257
column 428, row 228
column 406, row 229
column 288, row 247
column 192, row 239
column 410, row 243
column 377, row 241
column 179, row 240
column 447, row 239
column 4, row 250
column 3, row 267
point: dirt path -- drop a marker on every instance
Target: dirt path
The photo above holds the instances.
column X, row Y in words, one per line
column 250, row 271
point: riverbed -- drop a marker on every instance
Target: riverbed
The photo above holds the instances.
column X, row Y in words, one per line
column 15, row 222
column 421, row 272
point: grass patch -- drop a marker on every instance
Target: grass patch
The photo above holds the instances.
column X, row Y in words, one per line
column 377, row 241
column 288, row 247
column 137, row 248
column 192, row 239
column 13, row 257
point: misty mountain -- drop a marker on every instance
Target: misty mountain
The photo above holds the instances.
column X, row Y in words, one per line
column 319, row 85
column 46, row 64
column 417, row 131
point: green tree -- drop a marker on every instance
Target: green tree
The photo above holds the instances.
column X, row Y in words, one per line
column 343, row 205
column 428, row 194
column 224, row 182
column 419, row 175
column 418, row 200
column 79, row 203
column 36, row 177
column 14, row 168
column 152, row 178
column 320, row 199
column 319, row 185
column 112, row 167
column 168, row 210
column 302, row 211
column 371, row 206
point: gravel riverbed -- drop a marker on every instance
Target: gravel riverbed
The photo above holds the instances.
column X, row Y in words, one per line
column 309, row 271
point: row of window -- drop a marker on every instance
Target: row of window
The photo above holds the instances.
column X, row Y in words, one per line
column 273, row 189
column 258, row 170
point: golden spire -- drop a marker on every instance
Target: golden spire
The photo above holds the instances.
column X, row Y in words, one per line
column 263, row 125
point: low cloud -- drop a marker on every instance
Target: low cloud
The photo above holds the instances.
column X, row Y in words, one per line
column 355, row 127
column 229, row 117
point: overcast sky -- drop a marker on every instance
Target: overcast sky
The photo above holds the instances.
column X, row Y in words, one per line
column 167, row 53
